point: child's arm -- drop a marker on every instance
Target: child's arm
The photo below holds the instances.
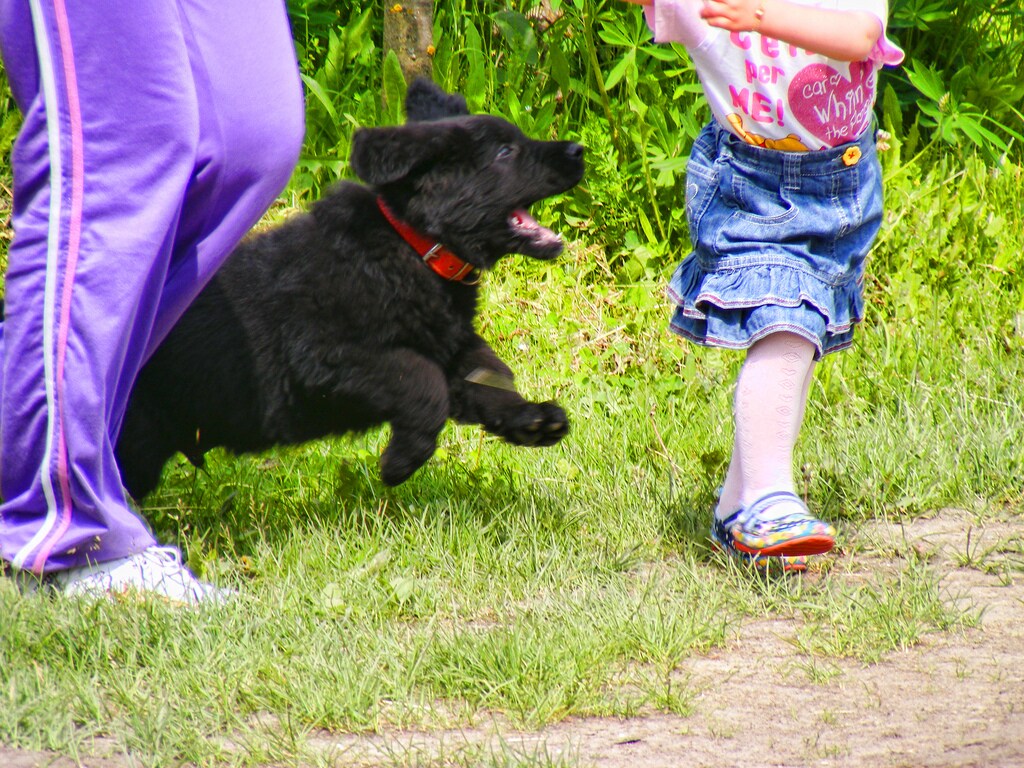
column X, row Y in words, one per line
column 675, row 21
column 842, row 35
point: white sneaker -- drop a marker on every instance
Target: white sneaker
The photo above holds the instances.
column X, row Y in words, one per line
column 154, row 572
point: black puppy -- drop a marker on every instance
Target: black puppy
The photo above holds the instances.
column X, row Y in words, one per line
column 361, row 311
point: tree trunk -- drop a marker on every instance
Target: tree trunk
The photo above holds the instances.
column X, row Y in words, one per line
column 409, row 32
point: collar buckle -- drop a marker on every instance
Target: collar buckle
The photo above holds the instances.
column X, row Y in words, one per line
column 432, row 254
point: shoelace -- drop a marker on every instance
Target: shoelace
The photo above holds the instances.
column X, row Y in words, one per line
column 164, row 554
column 167, row 561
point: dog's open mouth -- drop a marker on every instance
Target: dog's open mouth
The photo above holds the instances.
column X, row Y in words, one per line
column 535, row 240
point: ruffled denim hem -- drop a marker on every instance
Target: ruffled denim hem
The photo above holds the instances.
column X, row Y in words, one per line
column 734, row 308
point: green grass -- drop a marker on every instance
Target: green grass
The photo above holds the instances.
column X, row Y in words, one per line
column 540, row 584
column 535, row 585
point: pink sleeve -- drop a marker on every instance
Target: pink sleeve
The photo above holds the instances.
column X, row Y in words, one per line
column 676, row 21
column 885, row 52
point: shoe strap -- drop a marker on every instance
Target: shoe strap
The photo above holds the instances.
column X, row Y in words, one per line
column 727, row 523
column 753, row 512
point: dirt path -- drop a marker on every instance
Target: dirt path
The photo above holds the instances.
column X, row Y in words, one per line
column 955, row 699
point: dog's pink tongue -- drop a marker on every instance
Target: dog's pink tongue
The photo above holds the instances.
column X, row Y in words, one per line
column 528, row 226
column 523, row 220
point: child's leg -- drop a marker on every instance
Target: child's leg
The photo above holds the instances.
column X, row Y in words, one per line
column 768, row 409
column 771, row 395
column 732, row 488
column 728, row 509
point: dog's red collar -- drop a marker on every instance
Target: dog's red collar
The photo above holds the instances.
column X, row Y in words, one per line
column 434, row 255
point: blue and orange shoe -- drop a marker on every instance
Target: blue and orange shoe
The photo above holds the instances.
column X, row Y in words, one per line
column 722, row 540
column 796, row 534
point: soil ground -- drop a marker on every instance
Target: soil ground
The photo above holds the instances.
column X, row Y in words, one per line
column 954, row 699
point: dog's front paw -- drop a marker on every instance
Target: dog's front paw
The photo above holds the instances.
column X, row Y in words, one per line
column 535, row 424
column 396, row 468
column 403, row 456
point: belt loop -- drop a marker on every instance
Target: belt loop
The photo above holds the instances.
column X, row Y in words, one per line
column 719, row 136
column 791, row 169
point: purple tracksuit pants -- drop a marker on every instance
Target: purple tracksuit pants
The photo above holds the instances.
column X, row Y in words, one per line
column 155, row 134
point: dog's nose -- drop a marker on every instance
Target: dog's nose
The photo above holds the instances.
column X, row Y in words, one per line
column 574, row 151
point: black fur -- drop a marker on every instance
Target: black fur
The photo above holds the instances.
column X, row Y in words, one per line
column 331, row 323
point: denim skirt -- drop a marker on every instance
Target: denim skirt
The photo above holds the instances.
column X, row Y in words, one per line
column 779, row 241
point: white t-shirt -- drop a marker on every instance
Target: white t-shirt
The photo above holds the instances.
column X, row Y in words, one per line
column 773, row 94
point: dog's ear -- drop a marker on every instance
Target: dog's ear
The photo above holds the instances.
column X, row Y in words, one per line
column 426, row 101
column 386, row 155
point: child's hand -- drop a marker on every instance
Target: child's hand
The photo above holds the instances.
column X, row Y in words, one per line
column 734, row 15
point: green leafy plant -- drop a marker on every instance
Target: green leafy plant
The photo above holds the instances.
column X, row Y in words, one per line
column 341, row 71
column 963, row 71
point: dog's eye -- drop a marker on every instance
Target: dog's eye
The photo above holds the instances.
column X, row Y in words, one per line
column 505, row 152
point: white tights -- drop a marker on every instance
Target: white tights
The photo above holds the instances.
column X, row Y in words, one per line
column 768, row 409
